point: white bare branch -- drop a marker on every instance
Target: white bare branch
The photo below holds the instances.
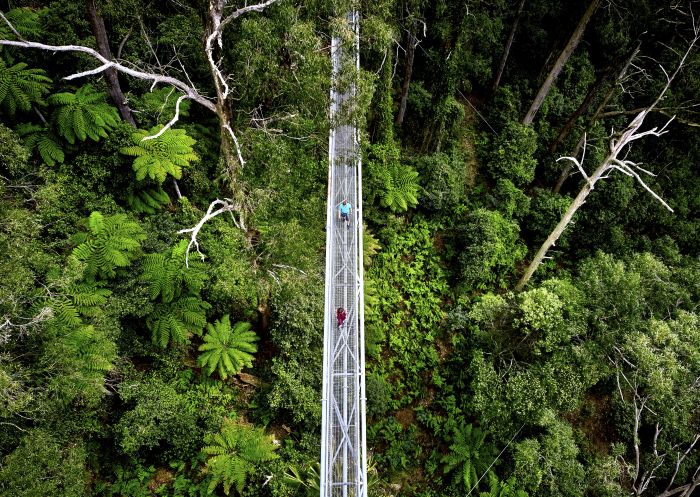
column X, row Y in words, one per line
column 651, row 192
column 225, row 205
column 171, row 122
column 235, row 141
column 191, row 92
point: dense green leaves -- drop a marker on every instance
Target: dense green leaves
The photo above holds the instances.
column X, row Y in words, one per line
column 114, row 363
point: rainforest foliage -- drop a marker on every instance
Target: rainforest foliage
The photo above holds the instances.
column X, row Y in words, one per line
column 130, row 367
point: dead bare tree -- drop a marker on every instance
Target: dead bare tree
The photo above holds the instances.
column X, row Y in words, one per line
column 630, row 392
column 597, row 114
column 561, row 61
column 614, row 161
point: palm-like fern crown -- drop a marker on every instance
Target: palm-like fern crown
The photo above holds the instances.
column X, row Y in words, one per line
column 83, row 114
column 400, row 187
column 227, row 350
column 233, row 452
column 177, row 321
column 110, row 243
column 158, row 157
column 148, row 200
column 167, row 274
column 25, row 21
column 21, row 87
column 41, row 138
column 469, row 455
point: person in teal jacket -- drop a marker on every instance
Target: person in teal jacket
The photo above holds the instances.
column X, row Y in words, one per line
column 344, row 210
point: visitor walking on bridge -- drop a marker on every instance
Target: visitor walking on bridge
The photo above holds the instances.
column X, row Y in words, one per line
column 341, row 315
column 344, row 210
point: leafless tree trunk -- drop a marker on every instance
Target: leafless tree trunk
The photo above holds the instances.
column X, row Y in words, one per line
column 580, row 110
column 610, row 163
column 97, row 25
column 642, row 477
column 506, row 49
column 561, row 61
column 411, row 44
column 596, row 115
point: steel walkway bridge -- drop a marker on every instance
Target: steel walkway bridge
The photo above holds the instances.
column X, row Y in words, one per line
column 343, row 440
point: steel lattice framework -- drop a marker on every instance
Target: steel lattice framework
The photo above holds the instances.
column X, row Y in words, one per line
column 343, row 440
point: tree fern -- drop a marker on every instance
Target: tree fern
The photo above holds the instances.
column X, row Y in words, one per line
column 158, row 157
column 499, row 488
column 178, row 320
column 43, row 139
column 88, row 298
column 109, row 243
column 83, row 114
column 469, row 455
column 167, row 275
column 65, row 312
column 81, row 300
column 80, row 356
column 399, row 187
column 225, row 350
column 233, row 452
column 25, row 21
column 148, row 200
column 21, row 87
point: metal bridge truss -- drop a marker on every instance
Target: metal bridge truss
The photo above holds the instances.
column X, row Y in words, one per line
column 343, row 439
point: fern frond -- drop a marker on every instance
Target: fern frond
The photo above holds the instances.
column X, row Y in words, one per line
column 148, row 201
column 83, row 114
column 177, row 321
column 111, row 243
column 21, row 87
column 156, row 158
column 168, row 276
column 25, row 21
column 227, row 350
column 65, row 313
column 81, row 356
column 400, row 187
column 45, row 142
column 234, row 451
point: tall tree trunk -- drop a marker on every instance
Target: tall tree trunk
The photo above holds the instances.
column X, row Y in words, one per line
column 561, row 61
column 408, row 70
column 97, row 25
column 592, row 92
column 596, row 115
column 506, row 50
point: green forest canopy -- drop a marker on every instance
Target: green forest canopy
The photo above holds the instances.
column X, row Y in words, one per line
column 124, row 372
